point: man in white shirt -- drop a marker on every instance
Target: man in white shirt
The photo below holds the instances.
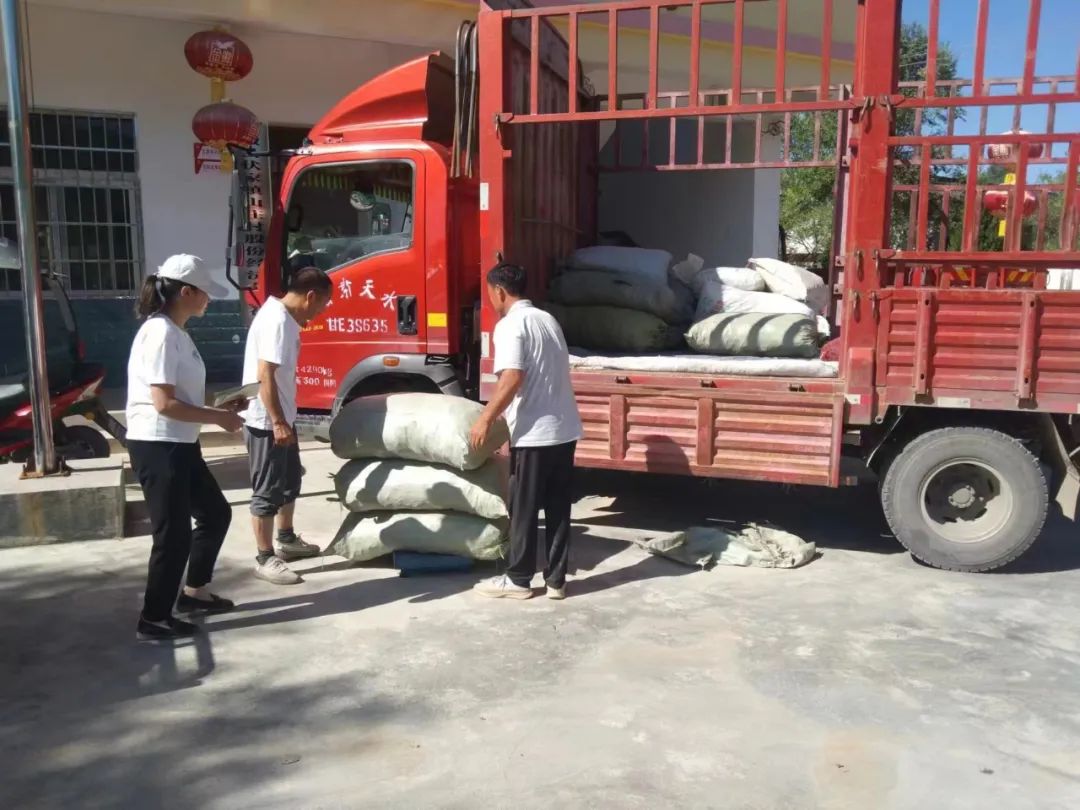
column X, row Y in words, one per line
column 273, row 345
column 535, row 394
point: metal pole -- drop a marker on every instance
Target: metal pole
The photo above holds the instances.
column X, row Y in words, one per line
column 33, row 320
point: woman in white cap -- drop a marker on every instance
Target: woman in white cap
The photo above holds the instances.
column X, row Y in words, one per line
column 165, row 412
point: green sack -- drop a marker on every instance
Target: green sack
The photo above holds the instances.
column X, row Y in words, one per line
column 421, row 427
column 754, row 334
column 602, row 288
column 371, row 485
column 365, row 536
column 613, row 329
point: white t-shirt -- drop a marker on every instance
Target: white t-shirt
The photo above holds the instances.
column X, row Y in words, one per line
column 274, row 337
column 163, row 354
column 543, row 412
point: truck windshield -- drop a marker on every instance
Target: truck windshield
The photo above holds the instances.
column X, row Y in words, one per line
column 342, row 213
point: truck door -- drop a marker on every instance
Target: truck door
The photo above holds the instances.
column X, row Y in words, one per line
column 359, row 220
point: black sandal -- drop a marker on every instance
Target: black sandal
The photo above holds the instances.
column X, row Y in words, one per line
column 191, row 605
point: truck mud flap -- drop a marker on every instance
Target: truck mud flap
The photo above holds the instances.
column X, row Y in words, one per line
column 1066, row 478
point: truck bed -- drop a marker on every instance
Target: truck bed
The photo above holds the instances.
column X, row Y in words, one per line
column 761, row 429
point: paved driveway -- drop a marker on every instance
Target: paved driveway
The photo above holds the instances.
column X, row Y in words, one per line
column 863, row 680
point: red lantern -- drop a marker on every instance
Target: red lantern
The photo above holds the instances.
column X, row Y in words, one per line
column 996, row 202
column 219, row 55
column 223, row 123
column 1007, row 151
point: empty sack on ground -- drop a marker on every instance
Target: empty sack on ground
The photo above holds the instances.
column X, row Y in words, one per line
column 420, row 427
column 754, row 545
column 373, row 485
column 368, row 535
column 755, row 335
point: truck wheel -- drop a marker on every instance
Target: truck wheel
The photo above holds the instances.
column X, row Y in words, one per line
column 965, row 498
column 83, row 441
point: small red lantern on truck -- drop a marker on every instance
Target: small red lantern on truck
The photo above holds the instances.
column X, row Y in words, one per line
column 223, row 123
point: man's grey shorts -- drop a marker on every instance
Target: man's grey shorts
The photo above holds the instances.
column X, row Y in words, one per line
column 275, row 472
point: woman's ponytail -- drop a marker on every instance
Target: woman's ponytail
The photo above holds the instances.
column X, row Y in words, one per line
column 156, row 294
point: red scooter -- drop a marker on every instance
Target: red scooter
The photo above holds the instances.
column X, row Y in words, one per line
column 73, row 391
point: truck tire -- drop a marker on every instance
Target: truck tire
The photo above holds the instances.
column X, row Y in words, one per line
column 965, row 498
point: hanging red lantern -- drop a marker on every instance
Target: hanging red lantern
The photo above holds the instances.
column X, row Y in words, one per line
column 1007, row 151
column 225, row 123
column 219, row 55
column 996, row 202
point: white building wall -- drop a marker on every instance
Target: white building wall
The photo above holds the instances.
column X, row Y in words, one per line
column 107, row 62
column 726, row 216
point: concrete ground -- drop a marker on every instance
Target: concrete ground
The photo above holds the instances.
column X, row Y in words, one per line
column 863, row 680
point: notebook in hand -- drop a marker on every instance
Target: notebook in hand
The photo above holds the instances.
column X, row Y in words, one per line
column 244, row 392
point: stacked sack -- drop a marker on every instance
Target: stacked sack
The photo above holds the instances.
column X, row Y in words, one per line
column 768, row 309
column 620, row 299
column 412, row 481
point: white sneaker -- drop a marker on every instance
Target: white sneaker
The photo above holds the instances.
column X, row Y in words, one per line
column 295, row 549
column 556, row 593
column 501, row 587
column 276, row 571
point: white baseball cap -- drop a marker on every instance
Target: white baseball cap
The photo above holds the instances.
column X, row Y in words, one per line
column 190, row 270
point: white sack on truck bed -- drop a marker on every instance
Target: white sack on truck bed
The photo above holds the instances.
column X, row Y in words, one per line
column 716, row 298
column 366, row 536
column 615, row 329
column 794, row 282
column 373, row 485
column 602, row 288
column 648, row 265
column 421, row 427
column 755, row 335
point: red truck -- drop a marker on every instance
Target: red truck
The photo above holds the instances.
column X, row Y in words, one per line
column 958, row 380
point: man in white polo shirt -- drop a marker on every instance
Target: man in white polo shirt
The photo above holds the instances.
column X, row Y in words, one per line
column 273, row 345
column 534, row 392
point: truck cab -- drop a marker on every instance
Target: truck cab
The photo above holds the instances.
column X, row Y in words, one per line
column 369, row 199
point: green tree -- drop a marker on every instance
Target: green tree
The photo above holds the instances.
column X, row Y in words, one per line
column 807, row 195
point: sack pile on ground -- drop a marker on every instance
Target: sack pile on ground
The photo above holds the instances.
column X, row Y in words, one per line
column 612, row 298
column 412, row 482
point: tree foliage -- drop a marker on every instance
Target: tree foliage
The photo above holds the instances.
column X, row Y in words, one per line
column 807, row 195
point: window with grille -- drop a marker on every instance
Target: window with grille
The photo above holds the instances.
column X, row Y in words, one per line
column 86, row 199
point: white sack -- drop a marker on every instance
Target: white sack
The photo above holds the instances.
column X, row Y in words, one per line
column 373, row 485
column 421, row 427
column 1063, row 279
column 740, row 278
column 365, row 536
column 716, row 298
column 794, row 282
